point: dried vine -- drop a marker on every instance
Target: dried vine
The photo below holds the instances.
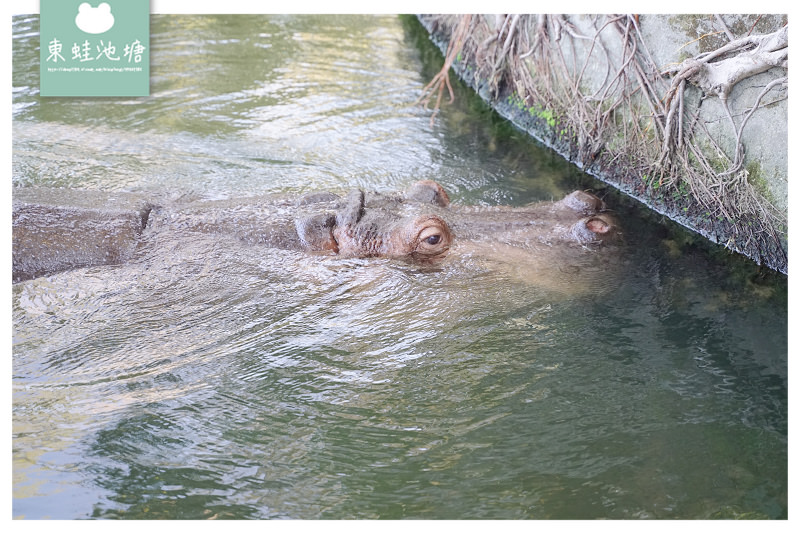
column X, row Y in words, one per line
column 442, row 78
column 637, row 118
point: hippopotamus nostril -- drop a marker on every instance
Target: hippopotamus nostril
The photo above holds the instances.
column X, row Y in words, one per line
column 584, row 202
column 596, row 225
column 595, row 229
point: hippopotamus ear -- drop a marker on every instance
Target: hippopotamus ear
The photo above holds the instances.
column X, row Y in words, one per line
column 428, row 192
column 316, row 233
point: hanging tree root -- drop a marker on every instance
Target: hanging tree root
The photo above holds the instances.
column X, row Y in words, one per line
column 740, row 59
column 442, row 78
column 715, row 73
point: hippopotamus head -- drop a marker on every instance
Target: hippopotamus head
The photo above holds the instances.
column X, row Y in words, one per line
column 421, row 225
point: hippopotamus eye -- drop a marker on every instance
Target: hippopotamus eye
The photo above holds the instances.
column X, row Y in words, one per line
column 432, row 238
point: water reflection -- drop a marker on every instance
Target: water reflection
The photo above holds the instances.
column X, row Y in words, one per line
column 207, row 378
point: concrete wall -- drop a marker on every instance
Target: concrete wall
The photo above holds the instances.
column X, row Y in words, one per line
column 745, row 211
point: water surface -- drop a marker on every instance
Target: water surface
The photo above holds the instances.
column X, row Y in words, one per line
column 211, row 379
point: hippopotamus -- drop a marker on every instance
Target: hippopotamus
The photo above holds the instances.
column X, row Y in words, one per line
column 56, row 230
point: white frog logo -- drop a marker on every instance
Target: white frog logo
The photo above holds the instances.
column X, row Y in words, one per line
column 94, row 19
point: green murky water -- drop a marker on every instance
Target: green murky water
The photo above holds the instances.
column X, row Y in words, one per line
column 215, row 380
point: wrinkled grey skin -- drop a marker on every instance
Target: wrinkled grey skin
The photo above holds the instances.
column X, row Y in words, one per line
column 56, row 230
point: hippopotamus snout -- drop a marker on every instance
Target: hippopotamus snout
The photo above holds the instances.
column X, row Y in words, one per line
column 597, row 226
